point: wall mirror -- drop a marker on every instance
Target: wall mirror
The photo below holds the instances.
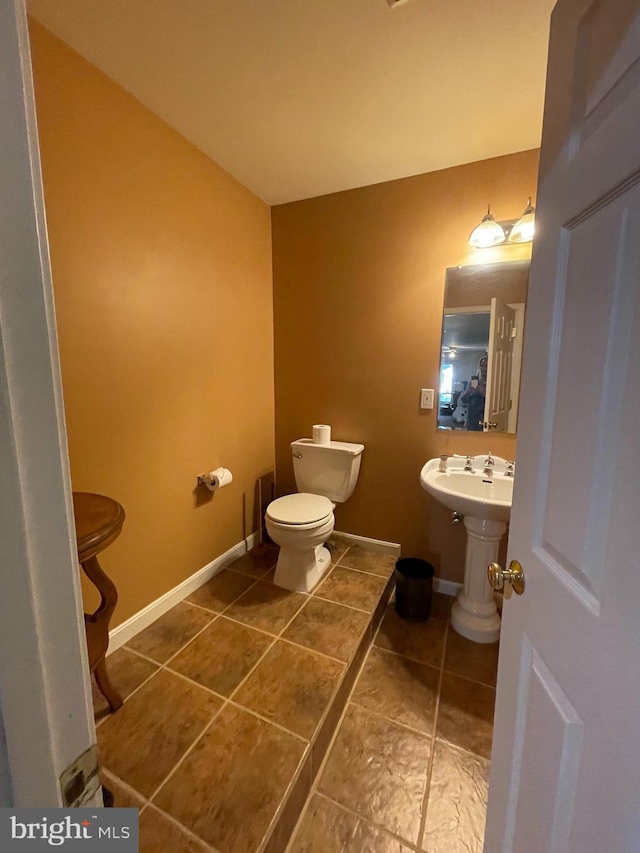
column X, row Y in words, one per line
column 482, row 336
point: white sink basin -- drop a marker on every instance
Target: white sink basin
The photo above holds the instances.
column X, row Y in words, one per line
column 470, row 494
column 485, row 503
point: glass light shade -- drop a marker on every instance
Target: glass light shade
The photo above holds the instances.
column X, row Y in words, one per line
column 488, row 233
column 523, row 230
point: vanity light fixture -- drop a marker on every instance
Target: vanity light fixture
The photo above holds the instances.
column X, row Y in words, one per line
column 488, row 233
column 522, row 231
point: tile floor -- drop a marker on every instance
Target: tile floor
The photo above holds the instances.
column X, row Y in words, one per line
column 248, row 710
column 231, row 701
column 408, row 767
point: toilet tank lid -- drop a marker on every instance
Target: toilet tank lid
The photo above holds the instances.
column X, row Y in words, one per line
column 344, row 446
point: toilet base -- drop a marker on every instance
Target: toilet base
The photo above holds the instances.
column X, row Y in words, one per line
column 301, row 570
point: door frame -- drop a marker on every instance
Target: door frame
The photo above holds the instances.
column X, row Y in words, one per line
column 45, row 695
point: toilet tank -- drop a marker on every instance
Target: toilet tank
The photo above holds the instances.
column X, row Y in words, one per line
column 326, row 469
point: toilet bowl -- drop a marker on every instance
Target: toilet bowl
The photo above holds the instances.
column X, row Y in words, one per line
column 302, row 522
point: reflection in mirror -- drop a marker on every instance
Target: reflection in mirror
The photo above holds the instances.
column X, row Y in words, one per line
column 482, row 336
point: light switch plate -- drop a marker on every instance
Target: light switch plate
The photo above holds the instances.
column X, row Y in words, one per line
column 426, row 398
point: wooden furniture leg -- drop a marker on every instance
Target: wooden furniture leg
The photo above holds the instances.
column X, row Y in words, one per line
column 97, row 626
column 114, row 699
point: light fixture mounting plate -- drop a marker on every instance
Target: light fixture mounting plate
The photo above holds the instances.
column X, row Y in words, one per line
column 507, row 227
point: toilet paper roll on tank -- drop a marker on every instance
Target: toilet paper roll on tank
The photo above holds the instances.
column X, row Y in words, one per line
column 217, row 479
column 321, row 434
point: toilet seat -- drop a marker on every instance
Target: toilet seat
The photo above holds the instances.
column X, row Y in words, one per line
column 300, row 509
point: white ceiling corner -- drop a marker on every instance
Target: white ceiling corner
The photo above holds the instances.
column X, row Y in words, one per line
column 300, row 98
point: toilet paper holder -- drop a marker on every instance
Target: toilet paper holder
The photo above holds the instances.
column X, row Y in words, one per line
column 215, row 480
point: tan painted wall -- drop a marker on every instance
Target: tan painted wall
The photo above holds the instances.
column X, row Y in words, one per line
column 358, row 293
column 162, row 277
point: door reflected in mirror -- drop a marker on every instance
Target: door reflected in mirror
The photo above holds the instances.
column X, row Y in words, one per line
column 482, row 337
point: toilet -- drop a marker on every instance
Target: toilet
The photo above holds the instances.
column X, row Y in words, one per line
column 300, row 524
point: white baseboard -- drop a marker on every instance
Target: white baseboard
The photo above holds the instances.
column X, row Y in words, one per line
column 446, row 587
column 141, row 620
column 377, row 545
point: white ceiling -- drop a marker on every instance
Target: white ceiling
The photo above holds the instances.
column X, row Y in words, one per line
column 299, row 98
column 466, row 331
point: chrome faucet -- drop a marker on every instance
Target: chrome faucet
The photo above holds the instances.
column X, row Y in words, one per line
column 468, row 465
column 489, row 462
column 510, row 469
column 443, row 463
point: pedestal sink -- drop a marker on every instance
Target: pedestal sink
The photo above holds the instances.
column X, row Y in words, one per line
column 484, row 499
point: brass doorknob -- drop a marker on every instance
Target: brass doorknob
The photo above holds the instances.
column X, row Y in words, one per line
column 514, row 575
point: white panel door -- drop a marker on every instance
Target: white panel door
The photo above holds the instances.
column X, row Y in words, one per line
column 565, row 774
column 499, row 367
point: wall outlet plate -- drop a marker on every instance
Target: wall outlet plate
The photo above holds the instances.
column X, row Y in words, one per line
column 426, row 398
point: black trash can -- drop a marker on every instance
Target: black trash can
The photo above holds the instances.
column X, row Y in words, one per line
column 414, row 589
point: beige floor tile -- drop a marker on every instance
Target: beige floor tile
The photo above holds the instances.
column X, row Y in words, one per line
column 267, row 607
column 293, row 805
column 158, row 834
column 328, row 828
column 171, row 632
column 228, row 788
column 328, row 628
column 465, row 714
column 142, row 741
column 420, row 641
column 441, row 606
column 292, row 687
column 371, row 839
column 218, row 593
column 336, row 548
column 256, row 562
column 325, row 828
column 222, row 655
column 473, row 660
column 398, row 688
column 378, row 769
column 358, row 557
column 353, row 588
column 457, row 804
column 123, row 796
column 126, row 672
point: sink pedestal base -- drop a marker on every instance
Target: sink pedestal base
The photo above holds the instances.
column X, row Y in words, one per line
column 474, row 614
